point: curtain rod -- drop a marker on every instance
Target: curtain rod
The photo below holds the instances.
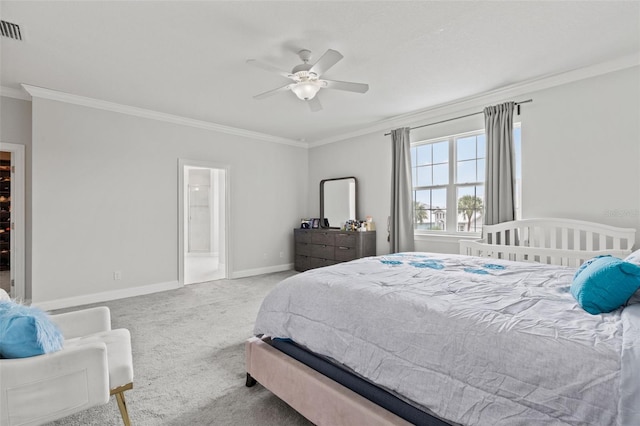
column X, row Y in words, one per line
column 463, row 116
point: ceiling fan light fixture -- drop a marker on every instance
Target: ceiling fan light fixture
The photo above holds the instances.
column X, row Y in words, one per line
column 305, row 90
column 306, row 78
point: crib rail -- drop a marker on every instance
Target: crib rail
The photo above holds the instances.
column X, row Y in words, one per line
column 554, row 241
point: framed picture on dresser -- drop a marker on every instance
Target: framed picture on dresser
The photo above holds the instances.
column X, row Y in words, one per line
column 315, row 223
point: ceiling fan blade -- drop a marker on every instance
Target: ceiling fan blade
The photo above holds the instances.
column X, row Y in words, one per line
column 346, row 85
column 269, row 67
column 326, row 61
column 314, row 104
column 273, row 92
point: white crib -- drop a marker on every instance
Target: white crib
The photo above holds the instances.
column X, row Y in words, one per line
column 550, row 240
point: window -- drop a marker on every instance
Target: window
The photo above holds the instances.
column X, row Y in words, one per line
column 448, row 182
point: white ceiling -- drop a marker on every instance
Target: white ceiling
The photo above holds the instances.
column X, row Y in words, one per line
column 188, row 58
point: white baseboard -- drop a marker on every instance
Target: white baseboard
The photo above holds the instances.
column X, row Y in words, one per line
column 259, row 271
column 106, row 295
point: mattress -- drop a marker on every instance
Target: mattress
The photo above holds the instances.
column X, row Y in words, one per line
column 362, row 387
column 474, row 340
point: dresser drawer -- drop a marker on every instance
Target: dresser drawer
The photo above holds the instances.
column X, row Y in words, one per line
column 345, row 254
column 303, row 249
column 319, row 263
column 302, row 236
column 346, row 240
column 302, row 263
column 322, row 251
column 316, row 248
column 326, row 238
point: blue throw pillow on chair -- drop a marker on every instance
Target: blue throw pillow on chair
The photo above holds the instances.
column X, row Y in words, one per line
column 26, row 331
column 605, row 283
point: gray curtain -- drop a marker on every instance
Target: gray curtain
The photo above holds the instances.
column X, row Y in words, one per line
column 401, row 219
column 500, row 167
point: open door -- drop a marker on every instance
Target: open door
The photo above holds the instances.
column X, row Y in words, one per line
column 203, row 222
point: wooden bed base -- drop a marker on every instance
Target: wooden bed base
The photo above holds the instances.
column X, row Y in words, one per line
column 316, row 397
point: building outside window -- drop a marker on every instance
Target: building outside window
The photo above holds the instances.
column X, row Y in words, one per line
column 448, row 182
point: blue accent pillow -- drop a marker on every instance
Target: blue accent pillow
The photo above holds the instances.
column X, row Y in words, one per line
column 26, row 331
column 587, row 263
column 605, row 284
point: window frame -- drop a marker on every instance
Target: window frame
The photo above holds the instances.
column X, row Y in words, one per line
column 452, row 187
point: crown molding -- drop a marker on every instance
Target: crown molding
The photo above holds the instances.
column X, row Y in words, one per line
column 41, row 92
column 442, row 111
column 10, row 92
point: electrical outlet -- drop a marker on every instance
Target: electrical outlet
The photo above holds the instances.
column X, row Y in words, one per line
column 117, row 275
column 281, row 254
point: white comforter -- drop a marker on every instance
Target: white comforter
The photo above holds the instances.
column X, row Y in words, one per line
column 477, row 341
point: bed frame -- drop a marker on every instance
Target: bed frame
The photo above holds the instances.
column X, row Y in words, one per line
column 554, row 241
column 317, row 397
column 326, row 402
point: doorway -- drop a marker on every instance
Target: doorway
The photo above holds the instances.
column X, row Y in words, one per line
column 203, row 222
column 5, row 221
column 12, row 216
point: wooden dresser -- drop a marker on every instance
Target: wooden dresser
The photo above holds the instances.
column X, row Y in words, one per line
column 315, row 248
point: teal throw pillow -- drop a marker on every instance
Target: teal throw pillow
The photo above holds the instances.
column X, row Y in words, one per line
column 605, row 284
column 587, row 263
column 26, row 331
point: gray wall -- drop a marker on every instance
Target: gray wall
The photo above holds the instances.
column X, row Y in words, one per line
column 580, row 156
column 105, row 198
column 581, row 151
column 368, row 158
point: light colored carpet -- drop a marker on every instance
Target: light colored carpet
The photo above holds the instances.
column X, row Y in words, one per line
column 188, row 357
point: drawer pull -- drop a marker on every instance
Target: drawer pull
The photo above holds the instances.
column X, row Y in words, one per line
column 344, row 248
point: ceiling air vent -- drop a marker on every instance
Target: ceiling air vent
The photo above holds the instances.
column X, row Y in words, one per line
column 10, row 30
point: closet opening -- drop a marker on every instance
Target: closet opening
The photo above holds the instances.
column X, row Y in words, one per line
column 5, row 222
column 12, row 221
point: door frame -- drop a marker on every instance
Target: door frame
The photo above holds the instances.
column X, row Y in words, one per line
column 183, row 163
column 17, row 245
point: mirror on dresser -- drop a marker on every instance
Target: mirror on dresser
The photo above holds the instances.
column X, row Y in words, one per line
column 337, row 201
column 316, row 248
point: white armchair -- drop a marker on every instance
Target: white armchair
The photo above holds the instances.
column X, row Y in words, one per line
column 94, row 364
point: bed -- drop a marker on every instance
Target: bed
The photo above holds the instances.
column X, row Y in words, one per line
column 454, row 339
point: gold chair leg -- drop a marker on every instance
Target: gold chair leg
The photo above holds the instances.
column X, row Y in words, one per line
column 122, row 404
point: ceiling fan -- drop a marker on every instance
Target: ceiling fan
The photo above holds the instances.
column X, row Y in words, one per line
column 306, row 78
